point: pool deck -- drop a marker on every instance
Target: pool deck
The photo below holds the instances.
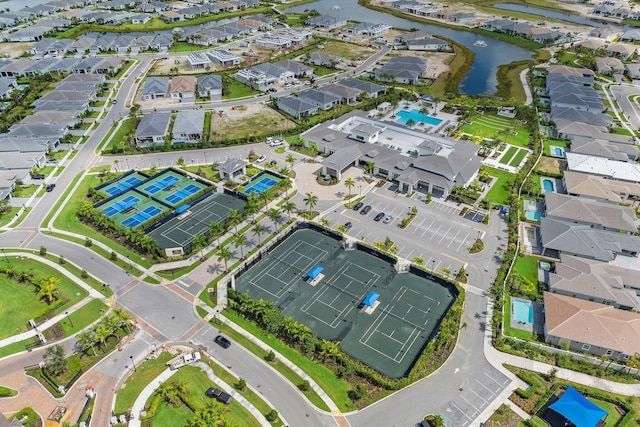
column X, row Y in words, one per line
column 538, row 318
column 447, row 119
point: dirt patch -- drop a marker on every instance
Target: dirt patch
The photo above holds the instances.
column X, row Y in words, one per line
column 503, row 417
column 246, row 121
column 550, row 165
column 348, row 51
column 13, row 50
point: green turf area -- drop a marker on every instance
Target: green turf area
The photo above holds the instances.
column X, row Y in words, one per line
column 83, row 317
column 506, row 157
column 170, row 416
column 613, row 416
column 17, row 347
column 9, row 215
column 132, row 387
column 535, row 422
column 236, row 89
column 119, row 140
column 527, row 266
column 18, row 303
column 499, row 192
column 492, row 126
column 517, row 159
column 23, row 191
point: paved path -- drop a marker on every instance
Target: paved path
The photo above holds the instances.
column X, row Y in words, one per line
column 526, row 87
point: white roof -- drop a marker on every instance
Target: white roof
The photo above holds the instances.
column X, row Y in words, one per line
column 613, row 169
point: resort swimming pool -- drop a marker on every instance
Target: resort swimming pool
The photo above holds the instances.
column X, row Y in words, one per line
column 522, row 310
column 417, row 117
column 547, row 184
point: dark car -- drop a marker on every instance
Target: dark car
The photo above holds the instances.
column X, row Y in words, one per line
column 222, row 341
column 37, row 176
column 365, row 210
column 358, row 206
column 379, row 216
column 348, row 225
column 213, row 392
column 50, row 187
column 224, row 398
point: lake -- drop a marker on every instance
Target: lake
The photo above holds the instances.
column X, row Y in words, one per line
column 481, row 79
column 577, row 19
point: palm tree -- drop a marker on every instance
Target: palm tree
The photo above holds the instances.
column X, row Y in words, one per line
column 240, row 240
column 257, row 231
column 49, row 289
column 216, row 229
column 86, row 339
column 286, row 184
column 225, row 254
column 370, row 167
column 284, row 171
column 311, row 201
column 199, row 242
column 288, row 207
column 424, row 112
column 325, row 223
column 274, row 215
column 411, row 123
column 446, row 271
column 102, row 332
column 349, row 182
column 290, row 159
column 122, row 316
column 233, row 218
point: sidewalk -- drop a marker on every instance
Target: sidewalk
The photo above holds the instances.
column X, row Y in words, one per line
column 145, row 394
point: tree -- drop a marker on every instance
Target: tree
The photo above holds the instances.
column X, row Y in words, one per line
column 54, row 360
column 49, row 289
column 133, row 113
column 240, row 240
column 212, row 415
column 411, row 123
column 274, row 215
column 349, row 182
column 85, row 340
column 199, row 242
column 233, row 218
column 418, row 261
column 369, row 167
column 102, row 332
column 257, row 231
column 225, row 255
column 216, row 229
column 122, row 316
column 288, row 207
column 310, row 201
column 290, row 159
column 446, row 271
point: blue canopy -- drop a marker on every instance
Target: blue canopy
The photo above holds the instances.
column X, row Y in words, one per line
column 315, row 271
column 182, row 208
column 577, row 409
column 371, row 298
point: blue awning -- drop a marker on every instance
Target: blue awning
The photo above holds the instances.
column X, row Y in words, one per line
column 315, row 271
column 182, row 208
column 577, row 409
column 371, row 298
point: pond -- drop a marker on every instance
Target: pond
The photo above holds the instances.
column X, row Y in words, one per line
column 576, row 19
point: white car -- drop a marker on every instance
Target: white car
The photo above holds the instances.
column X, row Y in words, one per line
column 276, row 143
column 261, row 159
column 269, row 140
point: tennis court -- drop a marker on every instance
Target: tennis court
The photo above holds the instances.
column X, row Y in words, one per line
column 179, row 231
column 171, row 188
column 388, row 336
column 121, row 205
column 262, row 183
column 122, row 184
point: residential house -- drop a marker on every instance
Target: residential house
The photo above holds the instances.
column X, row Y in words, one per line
column 603, row 148
column 297, row 68
column 599, row 188
column 609, row 66
column 262, row 75
column 402, row 69
column 421, row 40
column 633, row 70
column 612, row 169
column 198, row 60
column 370, row 89
column 187, row 127
column 630, row 36
column 172, row 16
column 153, row 129
column 296, row 107
column 324, row 59
column 210, row 86
column 223, row 57
column 621, row 50
column 321, row 99
column 140, row 18
column 326, row 22
column 347, row 95
column 591, row 327
column 155, row 88
column 273, row 42
column 183, row 88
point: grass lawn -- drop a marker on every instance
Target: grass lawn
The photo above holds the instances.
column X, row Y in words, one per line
column 83, row 317
column 348, row 51
column 499, row 192
column 18, row 304
column 527, row 266
column 17, row 347
column 491, row 126
column 553, row 143
column 263, row 121
column 320, row 71
column 118, row 138
column 517, row 159
column 168, row 416
column 132, row 387
column 9, row 215
column 504, row 415
column 506, row 157
column 25, row 191
column 535, row 421
column 236, row 89
column 614, row 416
column 209, row 174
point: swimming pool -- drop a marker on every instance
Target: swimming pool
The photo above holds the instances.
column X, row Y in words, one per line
column 547, row 184
column 417, row 117
column 558, row 151
column 532, row 215
column 522, row 310
column 261, row 183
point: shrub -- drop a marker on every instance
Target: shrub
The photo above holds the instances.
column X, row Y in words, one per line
column 88, row 242
column 304, row 386
column 84, row 274
column 114, row 256
column 270, row 357
column 241, row 384
column 43, row 250
column 272, row 415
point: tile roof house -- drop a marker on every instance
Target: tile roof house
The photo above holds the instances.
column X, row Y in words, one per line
column 402, row 69
column 599, row 188
column 210, row 86
column 609, row 66
column 324, row 59
column 153, row 129
column 603, row 148
column 348, row 95
column 297, row 68
column 612, row 169
column 590, row 327
column 155, row 88
column 187, row 127
column 370, row 89
column 183, row 88
column 321, row 99
column 296, row 107
column 327, row 22
column 595, row 281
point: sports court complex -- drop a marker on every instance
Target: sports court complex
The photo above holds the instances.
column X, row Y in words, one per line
column 380, row 317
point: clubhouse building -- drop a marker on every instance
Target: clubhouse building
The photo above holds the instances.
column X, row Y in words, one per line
column 414, row 160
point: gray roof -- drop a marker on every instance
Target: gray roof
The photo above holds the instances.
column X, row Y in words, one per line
column 155, row 124
column 37, row 130
column 583, row 240
column 341, row 91
column 571, row 114
column 295, row 104
column 343, row 157
column 595, row 186
column 155, row 85
column 270, row 69
column 362, row 86
column 602, row 148
column 231, row 165
column 595, row 279
column 589, row 211
column 294, row 66
column 210, row 81
column 319, row 96
column 189, row 121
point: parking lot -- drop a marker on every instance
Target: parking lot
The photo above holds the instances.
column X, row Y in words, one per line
column 438, row 234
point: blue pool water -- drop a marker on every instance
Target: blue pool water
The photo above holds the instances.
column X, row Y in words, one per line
column 261, row 183
column 558, row 151
column 522, row 310
column 547, row 184
column 532, row 215
column 417, row 117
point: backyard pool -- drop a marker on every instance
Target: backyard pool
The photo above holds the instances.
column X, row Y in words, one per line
column 522, row 310
column 547, row 184
column 417, row 117
column 261, row 183
column 558, row 151
column 532, row 215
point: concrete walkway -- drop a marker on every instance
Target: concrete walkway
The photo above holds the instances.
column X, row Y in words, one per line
column 146, row 393
column 526, row 87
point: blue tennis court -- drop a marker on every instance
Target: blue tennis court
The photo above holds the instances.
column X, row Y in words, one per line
column 261, row 183
column 182, row 194
column 165, row 182
column 143, row 216
column 121, row 187
column 121, row 205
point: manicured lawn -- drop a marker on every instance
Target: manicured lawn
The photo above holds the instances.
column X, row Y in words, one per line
column 17, row 347
column 520, row 155
column 614, row 416
column 18, row 304
column 553, row 143
column 236, row 89
column 527, row 266
column 499, row 192
column 9, row 215
column 119, row 137
column 209, row 174
column 506, row 157
column 136, row 383
column 83, row 317
column 491, row 126
column 25, row 191
column 169, row 416
column 537, row 422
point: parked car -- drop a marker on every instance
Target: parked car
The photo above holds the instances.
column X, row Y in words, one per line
column 224, row 398
column 37, row 176
column 365, row 210
column 52, row 161
column 213, row 392
column 379, row 216
column 358, row 206
column 261, row 159
column 348, row 225
column 387, row 219
column 273, row 162
column 50, row 187
column 276, row 143
column 269, row 140
column 222, row 341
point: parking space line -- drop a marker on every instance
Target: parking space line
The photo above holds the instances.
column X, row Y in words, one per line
column 454, row 238
column 436, row 232
column 462, row 242
column 484, row 401
column 461, row 411
column 472, row 405
column 487, row 388
column 500, row 385
column 383, row 196
column 444, row 235
column 351, row 218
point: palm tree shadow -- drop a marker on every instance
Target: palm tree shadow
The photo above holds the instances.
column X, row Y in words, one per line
column 216, row 268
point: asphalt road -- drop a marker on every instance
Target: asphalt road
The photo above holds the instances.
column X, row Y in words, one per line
column 622, row 93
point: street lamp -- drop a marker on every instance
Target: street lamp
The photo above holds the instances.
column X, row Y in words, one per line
column 433, row 265
column 68, row 318
column 156, row 348
column 5, row 256
column 133, row 364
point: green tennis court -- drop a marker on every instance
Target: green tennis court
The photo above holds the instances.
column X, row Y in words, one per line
column 388, row 336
